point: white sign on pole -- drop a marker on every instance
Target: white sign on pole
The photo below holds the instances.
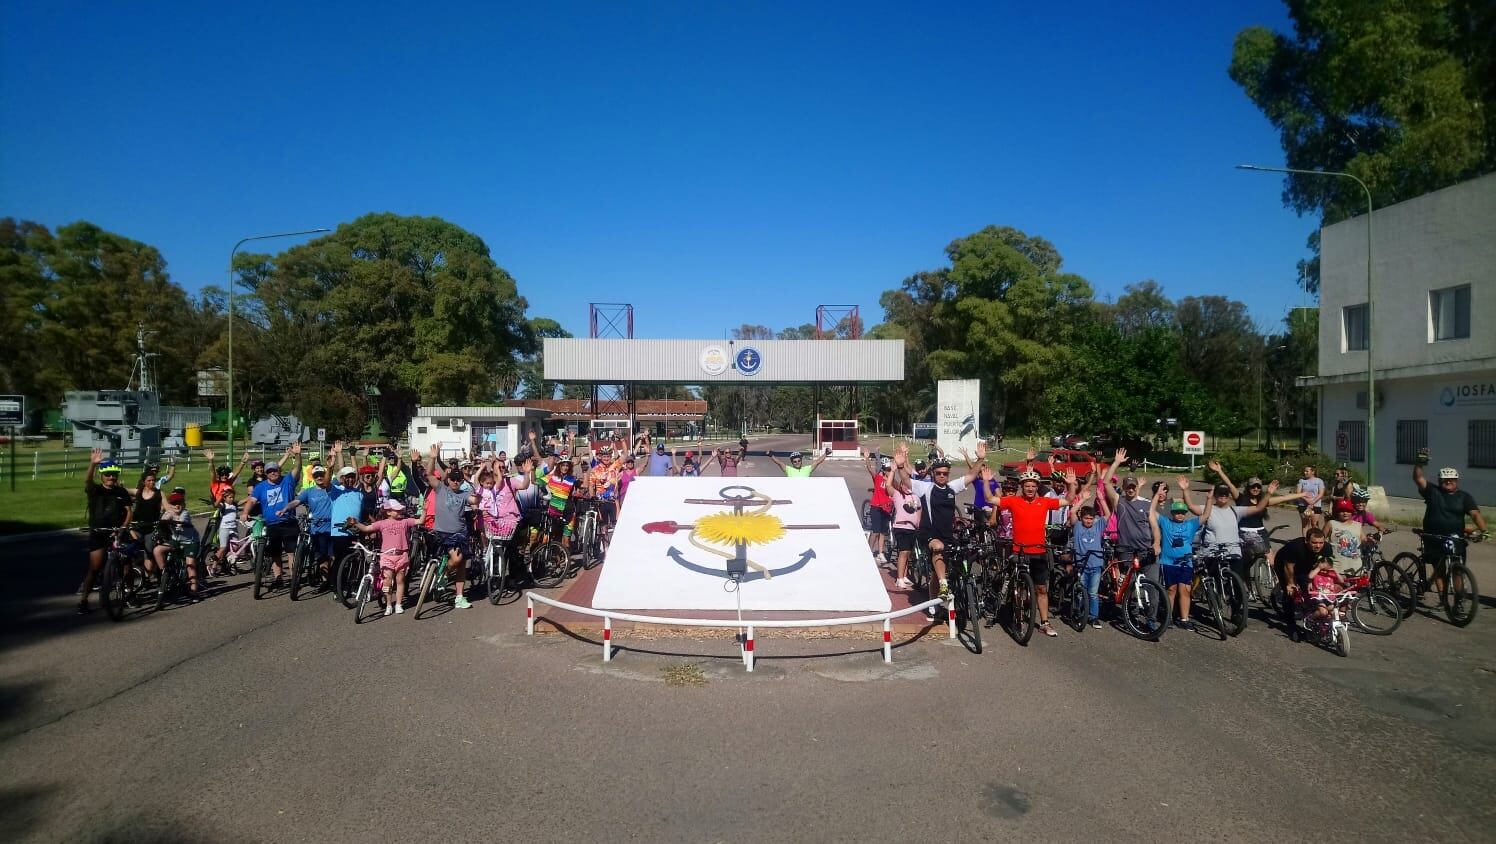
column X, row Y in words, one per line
column 321, row 435
column 958, row 407
column 1194, row 442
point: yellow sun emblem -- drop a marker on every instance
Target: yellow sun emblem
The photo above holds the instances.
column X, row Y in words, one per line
column 736, row 528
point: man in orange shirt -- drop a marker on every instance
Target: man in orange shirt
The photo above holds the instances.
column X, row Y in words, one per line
column 1030, row 516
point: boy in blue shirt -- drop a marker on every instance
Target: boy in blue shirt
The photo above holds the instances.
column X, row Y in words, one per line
column 1174, row 546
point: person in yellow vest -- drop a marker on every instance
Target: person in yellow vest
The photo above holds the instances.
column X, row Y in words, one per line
column 306, row 473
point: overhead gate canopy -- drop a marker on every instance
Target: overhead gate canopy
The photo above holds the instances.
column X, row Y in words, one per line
column 612, row 361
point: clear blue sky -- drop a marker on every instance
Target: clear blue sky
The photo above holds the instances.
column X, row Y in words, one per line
column 743, row 161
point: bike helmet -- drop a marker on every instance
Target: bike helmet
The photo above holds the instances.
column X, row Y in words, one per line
column 1057, row 475
column 919, row 465
column 1029, row 475
column 109, row 467
column 1449, row 473
column 222, row 471
column 1359, row 493
column 1343, row 505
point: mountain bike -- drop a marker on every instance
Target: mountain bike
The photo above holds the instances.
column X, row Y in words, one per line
column 1459, row 597
column 1141, row 603
column 960, row 566
column 1216, row 560
column 301, row 558
column 547, row 559
column 1068, row 599
column 174, row 574
column 1009, row 596
column 1260, row 576
column 123, row 574
column 585, row 538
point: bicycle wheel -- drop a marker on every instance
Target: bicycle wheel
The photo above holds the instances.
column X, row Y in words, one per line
column 365, row 595
column 259, row 571
column 1213, row 607
column 1146, row 610
column 428, row 577
column 112, row 591
column 1460, row 596
column 1263, row 581
column 1076, row 605
column 299, row 569
column 1410, row 565
column 551, row 564
column 594, row 549
column 1023, row 612
column 1376, row 612
column 1390, row 579
column 968, row 618
column 496, row 567
column 168, row 575
column 346, row 582
column 1234, row 602
column 1343, row 640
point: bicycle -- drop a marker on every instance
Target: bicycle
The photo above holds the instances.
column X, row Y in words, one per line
column 1260, row 576
column 1374, row 611
column 1332, row 631
column 123, row 574
column 362, row 562
column 1205, row 591
column 585, row 539
column 1460, row 597
column 1142, row 604
column 303, row 561
column 174, row 572
column 1068, row 598
column 549, row 555
column 1227, row 584
column 963, row 585
column 1009, row 596
column 496, row 568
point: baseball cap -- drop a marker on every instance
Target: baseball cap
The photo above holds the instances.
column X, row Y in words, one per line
column 318, row 470
column 1179, row 507
column 176, row 498
column 367, row 470
column 1130, row 480
column 393, row 505
column 1222, row 489
column 347, row 470
column 1254, row 481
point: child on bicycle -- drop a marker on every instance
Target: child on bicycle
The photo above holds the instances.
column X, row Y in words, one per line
column 394, row 551
column 1086, row 529
column 1324, row 587
column 228, row 526
column 181, row 533
column 1173, row 545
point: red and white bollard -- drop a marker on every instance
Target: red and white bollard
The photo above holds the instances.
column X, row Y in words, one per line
column 950, row 612
column 529, row 615
column 887, row 640
column 607, row 638
column 748, row 650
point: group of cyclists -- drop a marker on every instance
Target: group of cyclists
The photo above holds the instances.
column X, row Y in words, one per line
column 1057, row 525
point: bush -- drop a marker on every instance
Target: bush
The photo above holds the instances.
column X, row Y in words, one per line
column 1241, row 465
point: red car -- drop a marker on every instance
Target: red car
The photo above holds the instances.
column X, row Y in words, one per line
column 1064, row 458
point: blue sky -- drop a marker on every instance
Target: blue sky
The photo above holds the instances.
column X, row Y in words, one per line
column 713, row 163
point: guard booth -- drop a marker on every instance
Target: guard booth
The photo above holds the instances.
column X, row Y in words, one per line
column 840, row 436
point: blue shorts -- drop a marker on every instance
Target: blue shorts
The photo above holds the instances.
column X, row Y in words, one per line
column 1177, row 575
column 322, row 546
column 448, row 541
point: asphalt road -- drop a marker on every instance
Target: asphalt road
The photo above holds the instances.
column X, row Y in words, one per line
column 243, row 720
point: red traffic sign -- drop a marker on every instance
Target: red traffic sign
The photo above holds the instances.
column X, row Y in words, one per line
column 1194, row 442
column 1193, row 438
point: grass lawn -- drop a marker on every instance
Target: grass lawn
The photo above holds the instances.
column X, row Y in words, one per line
column 52, row 503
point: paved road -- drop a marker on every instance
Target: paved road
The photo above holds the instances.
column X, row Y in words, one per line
column 238, row 720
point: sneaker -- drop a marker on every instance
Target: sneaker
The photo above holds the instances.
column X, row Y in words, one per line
column 1186, row 625
column 389, row 609
column 84, row 608
column 399, row 609
column 930, row 611
column 904, row 584
column 1095, row 624
column 461, row 602
column 1048, row 630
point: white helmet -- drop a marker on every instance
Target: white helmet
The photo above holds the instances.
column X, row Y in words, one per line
column 1449, row 474
column 1030, row 475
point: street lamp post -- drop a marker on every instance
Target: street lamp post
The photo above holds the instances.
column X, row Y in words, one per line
column 1371, row 395
column 232, row 253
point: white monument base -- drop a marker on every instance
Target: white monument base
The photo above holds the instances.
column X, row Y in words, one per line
column 802, row 547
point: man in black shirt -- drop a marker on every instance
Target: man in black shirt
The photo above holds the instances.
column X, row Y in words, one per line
column 1295, row 561
column 108, row 508
column 1444, row 512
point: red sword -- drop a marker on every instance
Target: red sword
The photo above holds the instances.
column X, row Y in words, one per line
column 672, row 527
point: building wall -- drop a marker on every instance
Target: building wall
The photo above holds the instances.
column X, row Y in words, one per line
column 1446, row 403
column 426, row 431
column 1442, row 239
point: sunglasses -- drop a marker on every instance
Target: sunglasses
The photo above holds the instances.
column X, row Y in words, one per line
column 941, row 472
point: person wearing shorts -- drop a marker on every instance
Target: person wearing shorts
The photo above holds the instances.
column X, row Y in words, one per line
column 1174, row 547
column 1031, row 512
column 271, row 497
column 394, row 555
column 1311, row 515
column 906, row 518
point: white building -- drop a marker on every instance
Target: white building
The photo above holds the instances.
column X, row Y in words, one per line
column 474, row 430
column 1433, row 334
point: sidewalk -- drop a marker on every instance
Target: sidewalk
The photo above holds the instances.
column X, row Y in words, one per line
column 1409, row 511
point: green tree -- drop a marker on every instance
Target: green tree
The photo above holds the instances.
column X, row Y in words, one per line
column 70, row 305
column 1141, row 306
column 1401, row 94
column 413, row 306
column 1219, row 349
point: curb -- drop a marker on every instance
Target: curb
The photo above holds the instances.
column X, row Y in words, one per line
column 45, row 534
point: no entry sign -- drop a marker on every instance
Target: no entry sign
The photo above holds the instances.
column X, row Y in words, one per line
column 1194, row 442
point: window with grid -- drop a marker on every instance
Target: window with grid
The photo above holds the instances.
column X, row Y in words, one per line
column 1482, row 444
column 1355, row 434
column 1353, row 328
column 1412, row 435
column 1449, row 313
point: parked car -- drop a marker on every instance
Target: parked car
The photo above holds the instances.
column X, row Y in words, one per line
column 1064, row 458
column 1071, row 441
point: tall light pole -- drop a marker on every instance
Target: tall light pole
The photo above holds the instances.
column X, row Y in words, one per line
column 232, row 253
column 1371, row 395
